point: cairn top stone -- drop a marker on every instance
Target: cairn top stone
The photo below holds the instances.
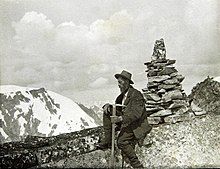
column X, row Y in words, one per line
column 159, row 51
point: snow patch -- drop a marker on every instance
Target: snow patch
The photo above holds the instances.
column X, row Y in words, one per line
column 22, row 123
column 3, row 133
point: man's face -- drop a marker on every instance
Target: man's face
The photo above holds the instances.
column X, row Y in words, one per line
column 123, row 84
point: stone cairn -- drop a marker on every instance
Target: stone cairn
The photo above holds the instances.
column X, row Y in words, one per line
column 166, row 101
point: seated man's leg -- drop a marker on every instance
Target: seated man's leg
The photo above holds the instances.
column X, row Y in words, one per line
column 106, row 140
column 126, row 140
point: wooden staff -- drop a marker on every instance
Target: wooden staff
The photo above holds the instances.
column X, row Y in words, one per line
column 112, row 161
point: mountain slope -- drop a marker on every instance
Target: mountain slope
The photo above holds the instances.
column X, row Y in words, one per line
column 28, row 111
column 92, row 113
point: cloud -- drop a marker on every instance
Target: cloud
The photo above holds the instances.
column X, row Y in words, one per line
column 117, row 28
column 67, row 56
column 99, row 82
column 74, row 56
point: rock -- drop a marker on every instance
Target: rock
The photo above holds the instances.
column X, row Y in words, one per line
column 167, row 71
column 176, row 118
column 152, row 73
column 171, row 81
column 161, row 91
column 148, row 63
column 178, row 87
column 172, row 95
column 174, row 74
column 206, row 95
column 145, row 89
column 153, row 102
column 153, row 109
column 152, row 84
column 195, row 108
column 162, row 60
column 158, row 78
column 154, row 120
column 178, row 103
column 166, row 86
column 152, row 96
column 180, row 110
column 159, row 51
column 161, row 113
column 180, row 78
column 199, row 113
column 24, row 155
column 170, row 62
column 159, row 65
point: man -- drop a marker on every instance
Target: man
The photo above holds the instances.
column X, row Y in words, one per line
column 131, row 120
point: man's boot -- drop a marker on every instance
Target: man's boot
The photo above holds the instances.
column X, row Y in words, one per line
column 105, row 142
column 129, row 152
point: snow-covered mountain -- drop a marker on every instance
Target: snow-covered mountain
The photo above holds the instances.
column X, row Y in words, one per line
column 217, row 79
column 29, row 111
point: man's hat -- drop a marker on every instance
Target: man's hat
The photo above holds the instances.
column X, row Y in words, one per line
column 126, row 75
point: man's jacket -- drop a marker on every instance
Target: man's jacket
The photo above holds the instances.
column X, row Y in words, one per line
column 134, row 114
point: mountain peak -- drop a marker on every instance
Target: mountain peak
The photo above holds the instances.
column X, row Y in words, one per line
column 32, row 111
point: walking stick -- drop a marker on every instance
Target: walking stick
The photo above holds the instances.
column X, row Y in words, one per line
column 112, row 162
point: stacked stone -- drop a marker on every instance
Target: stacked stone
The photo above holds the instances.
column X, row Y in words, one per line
column 165, row 98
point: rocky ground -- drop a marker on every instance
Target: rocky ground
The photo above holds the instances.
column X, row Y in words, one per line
column 189, row 144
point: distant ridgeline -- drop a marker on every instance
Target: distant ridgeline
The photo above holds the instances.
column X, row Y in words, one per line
column 175, row 140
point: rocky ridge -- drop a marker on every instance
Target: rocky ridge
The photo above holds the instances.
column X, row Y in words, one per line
column 205, row 97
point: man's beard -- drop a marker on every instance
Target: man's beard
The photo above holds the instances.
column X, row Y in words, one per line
column 123, row 89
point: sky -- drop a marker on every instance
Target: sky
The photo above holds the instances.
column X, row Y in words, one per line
column 74, row 47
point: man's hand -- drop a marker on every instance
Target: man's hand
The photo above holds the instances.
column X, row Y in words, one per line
column 107, row 108
column 116, row 119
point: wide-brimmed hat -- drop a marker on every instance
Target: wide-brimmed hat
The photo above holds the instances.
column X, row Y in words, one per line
column 126, row 75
